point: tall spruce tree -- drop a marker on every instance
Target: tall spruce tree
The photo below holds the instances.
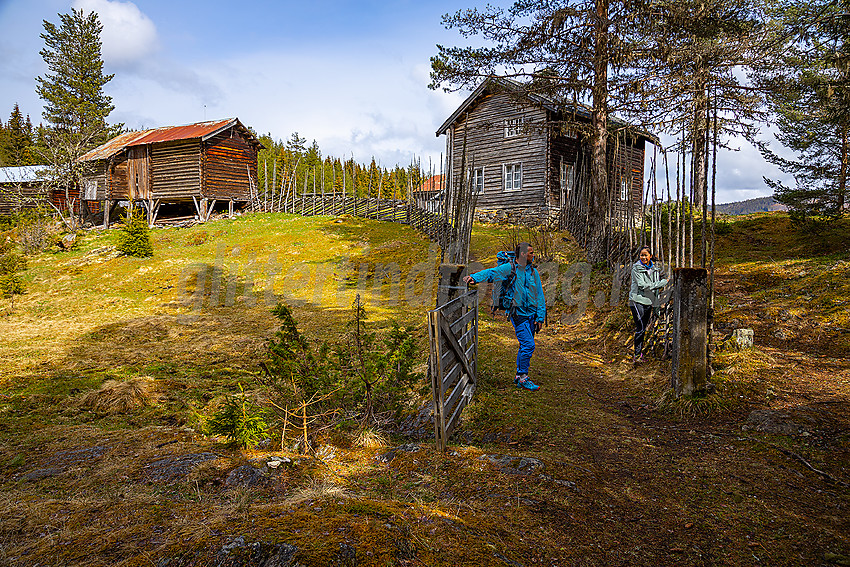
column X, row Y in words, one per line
column 18, row 140
column 808, row 89
column 75, row 106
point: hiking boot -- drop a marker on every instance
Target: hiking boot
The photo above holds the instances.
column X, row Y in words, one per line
column 523, row 381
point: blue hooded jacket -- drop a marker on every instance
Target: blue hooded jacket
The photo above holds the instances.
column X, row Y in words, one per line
column 528, row 290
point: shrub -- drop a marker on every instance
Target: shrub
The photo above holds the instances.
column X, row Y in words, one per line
column 134, row 239
column 239, row 420
column 311, row 386
column 377, row 371
column 11, row 263
column 11, row 282
column 35, row 231
column 11, row 285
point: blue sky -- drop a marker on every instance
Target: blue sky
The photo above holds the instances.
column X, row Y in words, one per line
column 350, row 74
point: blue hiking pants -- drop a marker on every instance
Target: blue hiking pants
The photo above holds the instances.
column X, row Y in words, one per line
column 524, row 327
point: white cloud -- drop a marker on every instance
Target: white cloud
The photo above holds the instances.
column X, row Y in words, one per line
column 128, row 36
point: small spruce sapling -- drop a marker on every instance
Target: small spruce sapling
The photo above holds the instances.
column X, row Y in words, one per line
column 239, row 420
column 299, row 382
column 379, row 371
column 11, row 264
column 134, row 239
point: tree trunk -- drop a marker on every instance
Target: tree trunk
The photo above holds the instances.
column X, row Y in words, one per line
column 597, row 229
column 842, row 176
column 700, row 137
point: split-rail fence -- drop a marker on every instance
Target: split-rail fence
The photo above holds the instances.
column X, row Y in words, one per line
column 406, row 212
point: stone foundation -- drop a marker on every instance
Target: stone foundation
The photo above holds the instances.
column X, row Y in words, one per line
column 532, row 216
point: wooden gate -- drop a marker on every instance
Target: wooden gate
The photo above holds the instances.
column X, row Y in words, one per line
column 453, row 332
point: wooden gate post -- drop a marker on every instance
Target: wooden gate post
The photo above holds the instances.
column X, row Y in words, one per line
column 690, row 330
column 451, row 282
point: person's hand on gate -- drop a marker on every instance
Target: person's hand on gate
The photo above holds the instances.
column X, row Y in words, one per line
column 468, row 280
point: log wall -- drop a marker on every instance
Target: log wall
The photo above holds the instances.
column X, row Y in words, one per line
column 488, row 147
column 98, row 174
column 227, row 159
column 17, row 196
column 176, row 170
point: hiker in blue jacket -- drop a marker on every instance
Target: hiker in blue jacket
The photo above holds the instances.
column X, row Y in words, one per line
column 527, row 309
column 647, row 279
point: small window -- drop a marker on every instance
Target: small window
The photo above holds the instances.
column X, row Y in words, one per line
column 513, row 127
column 513, row 177
column 624, row 189
column 567, row 178
column 478, row 180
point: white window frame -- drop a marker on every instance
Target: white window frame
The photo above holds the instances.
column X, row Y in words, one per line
column 624, row 188
column 566, row 177
column 512, row 176
column 513, row 127
column 476, row 179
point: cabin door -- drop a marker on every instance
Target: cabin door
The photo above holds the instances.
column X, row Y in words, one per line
column 138, row 172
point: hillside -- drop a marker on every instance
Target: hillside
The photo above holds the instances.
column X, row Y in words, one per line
column 750, row 206
column 598, row 467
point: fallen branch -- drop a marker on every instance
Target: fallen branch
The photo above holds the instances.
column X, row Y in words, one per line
column 788, row 452
column 806, row 464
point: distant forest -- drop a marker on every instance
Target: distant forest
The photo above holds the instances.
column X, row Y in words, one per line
column 759, row 205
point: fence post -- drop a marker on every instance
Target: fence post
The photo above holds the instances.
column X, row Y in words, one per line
column 451, row 282
column 436, row 372
column 690, row 330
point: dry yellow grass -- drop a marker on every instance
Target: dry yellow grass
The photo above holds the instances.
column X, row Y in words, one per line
column 370, row 439
column 122, row 396
column 316, row 490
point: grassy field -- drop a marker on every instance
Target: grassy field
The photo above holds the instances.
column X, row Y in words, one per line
column 597, row 467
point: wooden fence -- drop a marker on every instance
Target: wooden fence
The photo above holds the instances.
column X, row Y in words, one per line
column 453, row 333
column 405, row 212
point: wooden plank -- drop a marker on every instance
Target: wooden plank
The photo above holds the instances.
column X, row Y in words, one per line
column 454, row 345
column 457, row 392
column 436, row 380
column 462, row 403
column 450, row 375
column 460, row 323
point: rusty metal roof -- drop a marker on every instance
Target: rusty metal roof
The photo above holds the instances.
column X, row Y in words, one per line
column 202, row 130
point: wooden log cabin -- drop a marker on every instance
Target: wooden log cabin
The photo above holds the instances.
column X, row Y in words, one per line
column 22, row 187
column 527, row 154
column 198, row 163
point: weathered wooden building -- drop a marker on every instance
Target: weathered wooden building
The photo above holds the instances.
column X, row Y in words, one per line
column 526, row 153
column 198, row 163
column 22, row 187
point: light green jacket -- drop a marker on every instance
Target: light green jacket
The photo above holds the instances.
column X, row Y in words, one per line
column 645, row 282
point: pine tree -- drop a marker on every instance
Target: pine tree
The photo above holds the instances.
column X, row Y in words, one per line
column 76, row 108
column 808, row 89
column 697, row 51
column 73, row 87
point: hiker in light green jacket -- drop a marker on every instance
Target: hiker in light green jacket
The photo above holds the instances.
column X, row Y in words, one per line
column 647, row 279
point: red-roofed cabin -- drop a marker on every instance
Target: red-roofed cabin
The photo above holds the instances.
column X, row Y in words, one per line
column 199, row 163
